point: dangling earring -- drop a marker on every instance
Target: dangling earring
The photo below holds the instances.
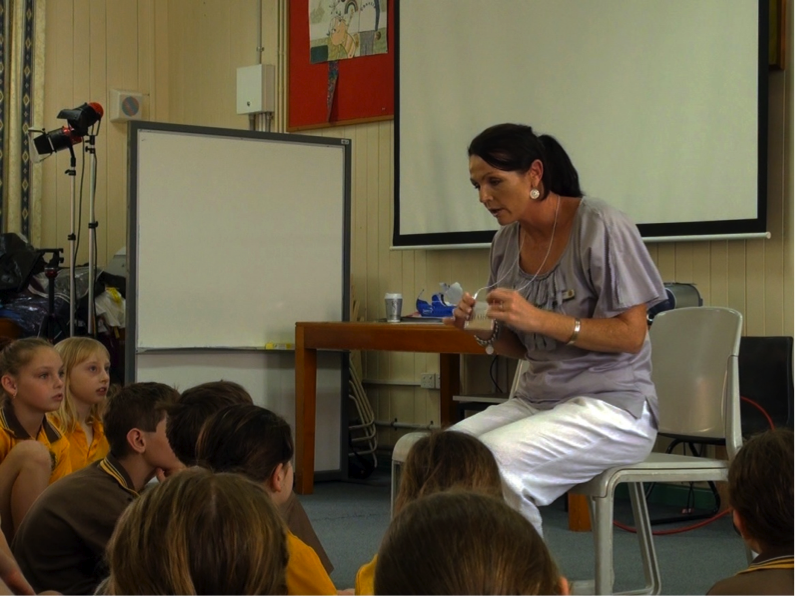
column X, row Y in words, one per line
column 534, row 194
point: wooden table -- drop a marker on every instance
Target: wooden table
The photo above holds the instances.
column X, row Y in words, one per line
column 446, row 341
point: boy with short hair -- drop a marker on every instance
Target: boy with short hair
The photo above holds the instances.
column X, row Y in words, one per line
column 185, row 420
column 761, row 496
column 60, row 544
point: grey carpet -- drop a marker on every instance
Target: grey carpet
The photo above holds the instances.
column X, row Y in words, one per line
column 350, row 518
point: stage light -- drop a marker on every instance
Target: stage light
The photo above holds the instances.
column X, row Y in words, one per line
column 79, row 120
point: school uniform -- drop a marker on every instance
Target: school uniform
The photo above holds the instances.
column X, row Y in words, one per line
column 365, row 578
column 80, row 452
column 12, row 433
column 769, row 573
column 60, row 544
column 298, row 523
column 305, row 573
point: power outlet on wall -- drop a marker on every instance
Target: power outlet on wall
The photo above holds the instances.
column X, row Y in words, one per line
column 428, row 380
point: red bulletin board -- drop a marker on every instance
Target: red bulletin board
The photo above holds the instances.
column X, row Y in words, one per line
column 365, row 88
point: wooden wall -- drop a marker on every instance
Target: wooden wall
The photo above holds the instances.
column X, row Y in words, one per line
column 182, row 54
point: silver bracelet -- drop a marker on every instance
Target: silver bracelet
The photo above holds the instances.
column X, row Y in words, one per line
column 489, row 343
column 576, row 333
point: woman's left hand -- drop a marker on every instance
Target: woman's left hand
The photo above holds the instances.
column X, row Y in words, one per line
column 508, row 306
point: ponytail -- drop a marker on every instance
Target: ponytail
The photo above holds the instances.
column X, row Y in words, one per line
column 560, row 175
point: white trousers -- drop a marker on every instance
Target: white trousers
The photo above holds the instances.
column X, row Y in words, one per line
column 544, row 453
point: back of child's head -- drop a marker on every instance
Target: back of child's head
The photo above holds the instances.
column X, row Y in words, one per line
column 447, row 459
column 199, row 533
column 138, row 405
column 194, row 407
column 463, row 542
column 761, row 487
column 246, row 439
column 74, row 351
column 16, row 354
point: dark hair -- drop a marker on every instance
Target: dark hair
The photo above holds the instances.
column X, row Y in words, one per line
column 194, row 407
column 138, row 405
column 514, row 148
column 461, row 542
column 444, row 460
column 16, row 354
column 249, row 440
column 761, row 487
column 199, row 533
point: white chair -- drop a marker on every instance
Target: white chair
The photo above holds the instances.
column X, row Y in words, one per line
column 694, row 358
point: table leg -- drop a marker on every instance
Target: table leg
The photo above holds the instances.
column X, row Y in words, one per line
column 449, row 385
column 579, row 517
column 305, row 397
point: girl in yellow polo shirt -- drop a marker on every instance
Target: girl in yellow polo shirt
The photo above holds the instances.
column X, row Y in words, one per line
column 257, row 443
column 436, row 463
column 33, row 452
column 87, row 366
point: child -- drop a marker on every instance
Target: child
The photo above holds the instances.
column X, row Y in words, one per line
column 761, row 496
column 185, row 420
column 435, row 463
column 199, row 533
column 462, row 542
column 31, row 378
column 87, row 365
column 257, row 443
column 61, row 542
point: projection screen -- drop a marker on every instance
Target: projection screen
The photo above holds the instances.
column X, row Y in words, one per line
column 661, row 104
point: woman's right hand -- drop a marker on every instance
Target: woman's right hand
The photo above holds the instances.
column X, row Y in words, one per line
column 461, row 312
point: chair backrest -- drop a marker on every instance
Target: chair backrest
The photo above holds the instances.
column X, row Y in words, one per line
column 766, row 378
column 694, row 368
column 521, row 368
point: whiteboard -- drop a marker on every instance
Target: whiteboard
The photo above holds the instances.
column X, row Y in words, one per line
column 234, row 235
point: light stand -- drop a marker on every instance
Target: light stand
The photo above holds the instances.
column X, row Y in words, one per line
column 92, row 234
column 80, row 123
column 72, row 173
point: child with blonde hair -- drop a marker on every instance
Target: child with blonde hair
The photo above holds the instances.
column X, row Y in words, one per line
column 87, row 379
column 33, row 452
column 440, row 461
column 199, row 533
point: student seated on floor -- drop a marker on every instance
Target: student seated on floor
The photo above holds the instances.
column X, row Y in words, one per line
column 33, row 452
column 86, row 383
column 761, row 497
column 185, row 420
column 463, row 542
column 199, row 533
column 257, row 443
column 435, row 463
column 61, row 542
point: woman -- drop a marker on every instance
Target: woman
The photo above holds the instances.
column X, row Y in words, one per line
column 570, row 284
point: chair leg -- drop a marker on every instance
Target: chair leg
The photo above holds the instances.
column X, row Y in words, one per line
column 603, row 543
column 640, row 512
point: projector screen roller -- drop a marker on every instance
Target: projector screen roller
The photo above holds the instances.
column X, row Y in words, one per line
column 661, row 105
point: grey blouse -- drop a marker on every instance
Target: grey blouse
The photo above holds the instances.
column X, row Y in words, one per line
column 604, row 270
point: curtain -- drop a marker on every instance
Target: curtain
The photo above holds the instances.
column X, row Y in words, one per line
column 21, row 104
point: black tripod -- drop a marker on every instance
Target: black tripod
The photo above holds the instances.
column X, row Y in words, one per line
column 51, row 327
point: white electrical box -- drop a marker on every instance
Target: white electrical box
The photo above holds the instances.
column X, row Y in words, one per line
column 125, row 105
column 256, row 89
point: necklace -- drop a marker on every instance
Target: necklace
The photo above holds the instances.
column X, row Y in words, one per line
column 519, row 256
column 546, row 256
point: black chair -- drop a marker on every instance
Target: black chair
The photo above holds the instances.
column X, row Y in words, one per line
column 766, row 383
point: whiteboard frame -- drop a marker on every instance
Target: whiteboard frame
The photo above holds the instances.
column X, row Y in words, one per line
column 132, row 347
